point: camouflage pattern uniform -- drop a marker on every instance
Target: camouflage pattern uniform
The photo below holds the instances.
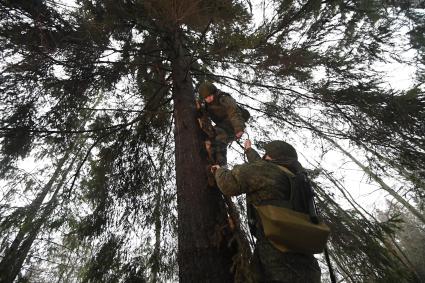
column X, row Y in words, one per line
column 226, row 115
column 264, row 183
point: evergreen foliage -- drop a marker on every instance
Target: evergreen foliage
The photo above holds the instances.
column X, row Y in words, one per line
column 98, row 94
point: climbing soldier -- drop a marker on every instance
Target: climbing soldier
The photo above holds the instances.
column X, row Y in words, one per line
column 229, row 119
column 266, row 182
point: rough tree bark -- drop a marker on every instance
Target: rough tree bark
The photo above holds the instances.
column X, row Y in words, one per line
column 203, row 255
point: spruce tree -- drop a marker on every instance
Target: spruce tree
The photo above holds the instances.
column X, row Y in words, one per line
column 308, row 68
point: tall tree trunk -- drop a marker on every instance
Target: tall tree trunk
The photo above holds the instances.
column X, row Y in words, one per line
column 202, row 256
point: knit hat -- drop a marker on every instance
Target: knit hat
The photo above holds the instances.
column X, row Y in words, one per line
column 280, row 150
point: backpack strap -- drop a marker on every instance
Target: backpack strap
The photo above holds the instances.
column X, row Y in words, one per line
column 291, row 177
column 254, row 220
column 286, row 170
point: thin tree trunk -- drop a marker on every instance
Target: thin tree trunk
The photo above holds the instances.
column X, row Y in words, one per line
column 401, row 170
column 383, row 185
column 11, row 254
column 14, row 258
column 202, row 256
column 15, row 255
column 388, row 242
column 22, row 252
column 158, row 227
column 369, row 172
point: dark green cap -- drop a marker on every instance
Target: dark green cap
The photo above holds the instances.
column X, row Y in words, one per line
column 280, row 150
column 206, row 89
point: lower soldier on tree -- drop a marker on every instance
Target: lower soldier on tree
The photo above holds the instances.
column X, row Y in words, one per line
column 264, row 183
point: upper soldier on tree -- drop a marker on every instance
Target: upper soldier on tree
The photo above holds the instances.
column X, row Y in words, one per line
column 228, row 117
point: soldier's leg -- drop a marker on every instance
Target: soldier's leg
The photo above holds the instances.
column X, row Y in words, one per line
column 220, row 146
column 208, row 147
column 287, row 267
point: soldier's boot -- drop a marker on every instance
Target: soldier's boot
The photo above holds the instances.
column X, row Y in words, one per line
column 210, row 176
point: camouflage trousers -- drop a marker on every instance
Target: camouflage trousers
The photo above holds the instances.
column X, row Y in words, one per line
column 224, row 136
column 271, row 265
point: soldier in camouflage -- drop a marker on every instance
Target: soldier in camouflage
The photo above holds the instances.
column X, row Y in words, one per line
column 264, row 183
column 227, row 116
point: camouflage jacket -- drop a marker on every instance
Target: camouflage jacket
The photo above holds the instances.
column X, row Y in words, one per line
column 225, row 113
column 262, row 181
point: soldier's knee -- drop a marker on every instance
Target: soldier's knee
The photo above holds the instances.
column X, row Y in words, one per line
column 221, row 135
column 221, row 139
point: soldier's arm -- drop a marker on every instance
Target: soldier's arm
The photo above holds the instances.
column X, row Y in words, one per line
column 252, row 155
column 234, row 114
column 228, row 181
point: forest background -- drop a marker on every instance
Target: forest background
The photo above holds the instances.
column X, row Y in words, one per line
column 102, row 162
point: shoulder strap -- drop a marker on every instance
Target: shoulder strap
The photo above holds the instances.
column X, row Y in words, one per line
column 254, row 218
column 286, row 170
column 291, row 177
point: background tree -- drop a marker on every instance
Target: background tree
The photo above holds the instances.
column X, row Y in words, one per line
column 409, row 236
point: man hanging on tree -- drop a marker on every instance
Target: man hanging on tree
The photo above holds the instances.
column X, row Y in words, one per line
column 229, row 119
